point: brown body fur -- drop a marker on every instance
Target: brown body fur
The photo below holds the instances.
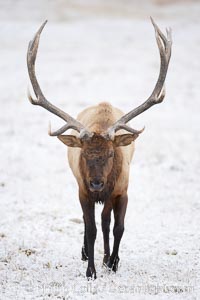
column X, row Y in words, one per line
column 105, row 157
column 98, row 119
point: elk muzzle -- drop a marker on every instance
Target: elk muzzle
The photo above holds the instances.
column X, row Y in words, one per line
column 96, row 184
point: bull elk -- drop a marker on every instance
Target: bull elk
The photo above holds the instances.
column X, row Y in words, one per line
column 101, row 146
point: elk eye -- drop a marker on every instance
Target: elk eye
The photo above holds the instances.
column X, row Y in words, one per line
column 111, row 154
column 84, row 155
column 100, row 159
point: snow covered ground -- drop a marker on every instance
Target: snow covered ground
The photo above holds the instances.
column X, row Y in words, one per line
column 91, row 51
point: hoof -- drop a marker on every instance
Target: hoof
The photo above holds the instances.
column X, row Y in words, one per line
column 105, row 259
column 91, row 273
column 84, row 255
column 112, row 264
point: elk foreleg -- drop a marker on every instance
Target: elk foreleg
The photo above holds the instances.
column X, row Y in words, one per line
column 119, row 208
column 90, row 233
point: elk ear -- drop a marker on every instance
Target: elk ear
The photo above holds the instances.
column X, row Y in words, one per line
column 124, row 139
column 70, row 140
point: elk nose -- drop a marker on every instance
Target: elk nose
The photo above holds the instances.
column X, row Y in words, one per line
column 96, row 185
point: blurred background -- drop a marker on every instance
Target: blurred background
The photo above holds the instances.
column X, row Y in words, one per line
column 92, row 51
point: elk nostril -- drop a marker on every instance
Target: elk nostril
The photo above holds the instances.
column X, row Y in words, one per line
column 96, row 184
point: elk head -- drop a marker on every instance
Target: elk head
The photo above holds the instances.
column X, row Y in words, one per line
column 98, row 150
column 97, row 156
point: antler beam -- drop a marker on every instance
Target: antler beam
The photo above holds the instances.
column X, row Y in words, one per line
column 40, row 98
column 158, row 94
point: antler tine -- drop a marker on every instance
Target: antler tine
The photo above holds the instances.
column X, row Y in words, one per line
column 31, row 58
column 40, row 98
column 59, row 131
column 83, row 132
column 164, row 45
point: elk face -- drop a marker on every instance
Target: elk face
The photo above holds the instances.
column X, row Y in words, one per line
column 97, row 156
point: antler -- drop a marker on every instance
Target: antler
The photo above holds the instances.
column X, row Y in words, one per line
column 41, row 100
column 158, row 94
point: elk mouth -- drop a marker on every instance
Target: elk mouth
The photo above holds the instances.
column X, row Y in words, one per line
column 96, row 185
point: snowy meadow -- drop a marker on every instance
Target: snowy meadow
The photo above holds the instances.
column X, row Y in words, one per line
column 90, row 52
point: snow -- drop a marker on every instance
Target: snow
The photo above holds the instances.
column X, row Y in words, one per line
column 92, row 52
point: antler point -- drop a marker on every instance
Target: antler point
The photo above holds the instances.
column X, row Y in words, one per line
column 49, row 129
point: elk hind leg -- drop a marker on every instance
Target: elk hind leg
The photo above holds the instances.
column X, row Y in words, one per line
column 105, row 224
column 84, row 250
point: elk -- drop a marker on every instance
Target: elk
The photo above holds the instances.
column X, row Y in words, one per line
column 101, row 146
